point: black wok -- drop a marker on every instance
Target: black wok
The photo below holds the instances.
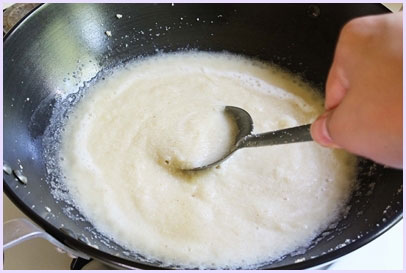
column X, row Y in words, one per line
column 42, row 52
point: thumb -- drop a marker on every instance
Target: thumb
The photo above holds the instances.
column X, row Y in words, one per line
column 320, row 132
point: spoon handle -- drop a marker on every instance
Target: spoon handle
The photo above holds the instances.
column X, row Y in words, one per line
column 284, row 136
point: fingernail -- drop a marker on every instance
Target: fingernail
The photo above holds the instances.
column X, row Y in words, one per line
column 320, row 132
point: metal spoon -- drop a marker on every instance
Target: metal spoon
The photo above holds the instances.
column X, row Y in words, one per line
column 245, row 138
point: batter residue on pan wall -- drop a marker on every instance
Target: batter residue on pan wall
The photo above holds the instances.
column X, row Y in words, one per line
column 127, row 138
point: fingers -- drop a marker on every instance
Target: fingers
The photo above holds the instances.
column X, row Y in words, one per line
column 336, row 89
column 364, row 91
column 336, row 86
column 320, row 132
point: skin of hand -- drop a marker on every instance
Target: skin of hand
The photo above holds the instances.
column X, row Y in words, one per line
column 364, row 93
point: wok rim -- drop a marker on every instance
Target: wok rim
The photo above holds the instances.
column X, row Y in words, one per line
column 109, row 259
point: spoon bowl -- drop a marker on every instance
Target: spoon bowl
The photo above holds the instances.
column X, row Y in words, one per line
column 245, row 138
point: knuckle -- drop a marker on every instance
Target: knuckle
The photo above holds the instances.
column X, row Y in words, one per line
column 353, row 25
column 362, row 28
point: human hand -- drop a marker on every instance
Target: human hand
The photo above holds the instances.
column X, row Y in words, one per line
column 364, row 94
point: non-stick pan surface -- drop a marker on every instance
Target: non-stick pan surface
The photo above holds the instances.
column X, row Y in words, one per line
column 58, row 47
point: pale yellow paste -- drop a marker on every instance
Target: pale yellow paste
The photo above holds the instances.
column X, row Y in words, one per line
column 127, row 138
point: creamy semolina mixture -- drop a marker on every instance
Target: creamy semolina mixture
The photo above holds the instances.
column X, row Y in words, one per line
column 127, row 139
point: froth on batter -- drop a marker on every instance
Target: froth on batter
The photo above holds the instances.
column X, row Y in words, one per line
column 127, row 138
